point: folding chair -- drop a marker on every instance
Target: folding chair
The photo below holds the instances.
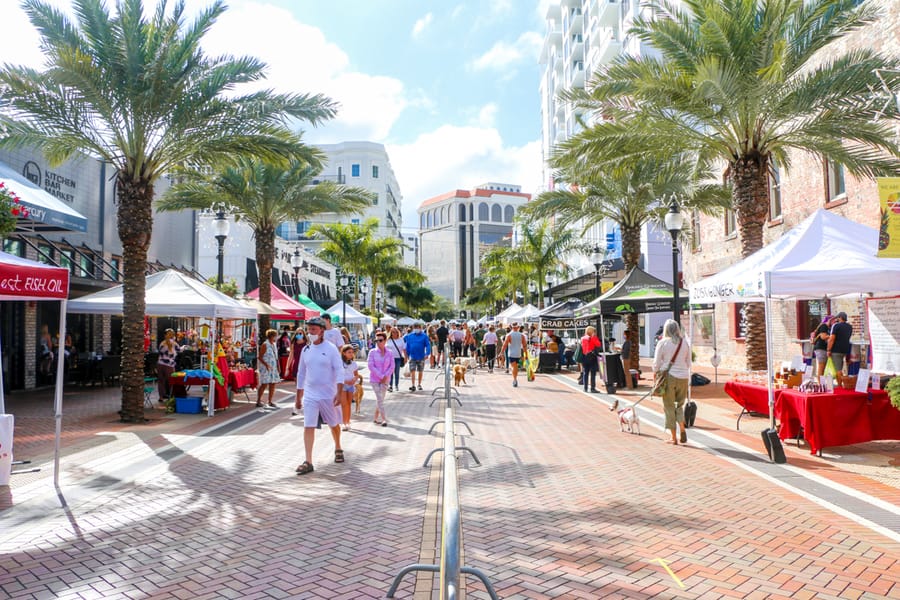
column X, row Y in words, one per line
column 149, row 388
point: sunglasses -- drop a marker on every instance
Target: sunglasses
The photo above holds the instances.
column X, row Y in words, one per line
column 380, row 340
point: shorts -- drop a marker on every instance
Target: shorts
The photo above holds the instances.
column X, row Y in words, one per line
column 513, row 360
column 313, row 409
column 821, row 355
column 416, row 365
column 349, row 388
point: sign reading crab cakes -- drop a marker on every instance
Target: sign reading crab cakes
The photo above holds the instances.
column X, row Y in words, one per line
column 889, row 223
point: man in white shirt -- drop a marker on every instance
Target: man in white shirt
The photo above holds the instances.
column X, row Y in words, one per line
column 331, row 334
column 319, row 379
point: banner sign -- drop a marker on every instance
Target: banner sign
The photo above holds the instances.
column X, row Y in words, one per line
column 564, row 323
column 884, row 333
column 18, row 280
column 889, row 223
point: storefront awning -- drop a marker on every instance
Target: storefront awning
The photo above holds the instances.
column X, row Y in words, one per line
column 45, row 211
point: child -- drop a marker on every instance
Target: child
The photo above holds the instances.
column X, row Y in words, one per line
column 352, row 378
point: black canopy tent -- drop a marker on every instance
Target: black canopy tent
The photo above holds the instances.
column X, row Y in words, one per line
column 638, row 292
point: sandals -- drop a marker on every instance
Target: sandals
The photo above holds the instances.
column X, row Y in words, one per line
column 304, row 468
column 684, row 437
column 338, row 456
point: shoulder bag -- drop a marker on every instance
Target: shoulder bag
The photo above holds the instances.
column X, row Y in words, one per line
column 661, row 379
column 397, row 348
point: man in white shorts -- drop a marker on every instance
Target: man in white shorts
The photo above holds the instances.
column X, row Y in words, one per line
column 319, row 379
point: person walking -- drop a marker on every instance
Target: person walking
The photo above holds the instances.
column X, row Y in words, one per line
column 165, row 364
column 331, row 334
column 298, row 341
column 267, row 362
column 673, row 358
column 319, row 380
column 516, row 348
column 418, row 347
column 381, row 364
column 839, row 341
column 490, row 348
column 397, row 347
column 442, row 334
column 351, row 379
column 590, row 352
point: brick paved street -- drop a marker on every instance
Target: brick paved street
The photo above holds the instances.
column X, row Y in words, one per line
column 563, row 505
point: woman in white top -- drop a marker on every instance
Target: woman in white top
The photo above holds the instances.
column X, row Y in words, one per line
column 673, row 352
column 397, row 346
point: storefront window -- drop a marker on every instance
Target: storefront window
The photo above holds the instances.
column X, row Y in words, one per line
column 115, row 262
column 738, row 321
column 45, row 254
column 14, row 247
column 809, row 316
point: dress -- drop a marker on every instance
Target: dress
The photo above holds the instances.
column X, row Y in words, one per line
column 271, row 358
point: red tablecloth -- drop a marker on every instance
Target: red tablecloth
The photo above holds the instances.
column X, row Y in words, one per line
column 752, row 397
column 242, row 378
column 282, row 366
column 180, row 384
column 837, row 419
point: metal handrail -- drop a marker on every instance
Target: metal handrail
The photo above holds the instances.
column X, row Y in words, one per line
column 451, row 516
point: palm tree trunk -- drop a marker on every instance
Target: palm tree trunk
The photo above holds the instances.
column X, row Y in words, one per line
column 751, row 202
column 631, row 256
column 135, row 225
column 265, row 258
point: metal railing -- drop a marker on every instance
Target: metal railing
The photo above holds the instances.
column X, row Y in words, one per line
column 450, row 566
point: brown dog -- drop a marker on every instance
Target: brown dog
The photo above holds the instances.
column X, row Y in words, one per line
column 459, row 375
column 358, row 396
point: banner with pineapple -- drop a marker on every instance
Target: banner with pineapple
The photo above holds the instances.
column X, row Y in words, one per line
column 889, row 227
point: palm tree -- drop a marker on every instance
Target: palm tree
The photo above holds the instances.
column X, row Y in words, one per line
column 629, row 194
column 410, row 297
column 265, row 195
column 542, row 246
column 140, row 94
column 386, row 264
column 347, row 245
column 743, row 82
column 482, row 295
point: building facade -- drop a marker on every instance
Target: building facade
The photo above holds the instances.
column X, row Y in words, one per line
column 457, row 228
column 810, row 185
column 93, row 257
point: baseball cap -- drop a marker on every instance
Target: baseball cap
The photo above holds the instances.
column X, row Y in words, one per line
column 318, row 321
column 842, row 315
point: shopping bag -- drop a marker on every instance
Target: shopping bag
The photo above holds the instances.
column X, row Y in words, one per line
column 531, row 368
column 406, row 373
column 829, row 368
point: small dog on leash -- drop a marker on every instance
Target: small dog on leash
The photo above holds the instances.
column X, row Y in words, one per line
column 466, row 361
column 358, row 396
column 459, row 374
column 629, row 421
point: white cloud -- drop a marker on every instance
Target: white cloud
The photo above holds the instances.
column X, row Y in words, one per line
column 421, row 25
column 487, row 115
column 504, row 55
column 457, row 10
column 451, row 157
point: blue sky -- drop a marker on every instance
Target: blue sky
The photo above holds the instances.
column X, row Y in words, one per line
column 451, row 88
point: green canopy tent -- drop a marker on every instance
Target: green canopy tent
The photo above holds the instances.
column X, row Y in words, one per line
column 308, row 303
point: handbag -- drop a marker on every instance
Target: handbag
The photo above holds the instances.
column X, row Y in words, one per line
column 397, row 348
column 661, row 378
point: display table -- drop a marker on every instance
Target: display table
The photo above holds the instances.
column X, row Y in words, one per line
column 179, row 385
column 840, row 418
column 752, row 397
column 243, row 378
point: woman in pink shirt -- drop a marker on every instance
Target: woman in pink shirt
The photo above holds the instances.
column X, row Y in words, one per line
column 381, row 366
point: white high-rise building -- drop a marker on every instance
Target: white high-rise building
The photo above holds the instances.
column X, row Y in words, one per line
column 582, row 36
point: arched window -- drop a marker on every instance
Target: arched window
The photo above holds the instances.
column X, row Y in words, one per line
column 428, row 223
column 462, row 213
column 422, row 221
column 508, row 213
column 483, row 211
column 496, row 213
column 471, row 212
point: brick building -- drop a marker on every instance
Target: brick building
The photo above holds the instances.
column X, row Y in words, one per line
column 809, row 186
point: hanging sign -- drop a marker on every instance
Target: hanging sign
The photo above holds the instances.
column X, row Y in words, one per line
column 889, row 222
column 884, row 333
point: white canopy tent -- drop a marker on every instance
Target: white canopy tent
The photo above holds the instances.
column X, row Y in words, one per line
column 23, row 279
column 171, row 293
column 523, row 314
column 824, row 256
column 388, row 320
column 353, row 316
column 511, row 309
column 408, row 321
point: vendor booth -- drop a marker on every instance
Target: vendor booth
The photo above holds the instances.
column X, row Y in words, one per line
column 824, row 256
column 560, row 317
column 171, row 293
column 289, row 309
column 22, row 279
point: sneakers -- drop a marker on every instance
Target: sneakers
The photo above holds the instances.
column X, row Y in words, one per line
column 515, row 383
column 390, row 388
column 420, row 388
column 412, row 388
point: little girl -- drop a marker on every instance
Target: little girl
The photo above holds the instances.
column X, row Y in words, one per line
column 352, row 378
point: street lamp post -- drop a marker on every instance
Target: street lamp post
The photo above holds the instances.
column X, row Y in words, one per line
column 221, row 226
column 296, row 263
column 597, row 261
column 379, row 300
column 344, row 281
column 674, row 223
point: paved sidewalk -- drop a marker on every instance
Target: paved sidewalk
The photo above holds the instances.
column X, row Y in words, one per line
column 564, row 505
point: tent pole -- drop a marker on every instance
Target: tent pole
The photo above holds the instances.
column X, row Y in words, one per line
column 770, row 382
column 691, row 343
column 211, row 401
column 2, row 399
column 57, row 409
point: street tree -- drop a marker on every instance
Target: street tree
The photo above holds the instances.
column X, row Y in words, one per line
column 136, row 90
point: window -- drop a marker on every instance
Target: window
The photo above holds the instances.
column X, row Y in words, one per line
column 496, row 213
column 730, row 222
column 483, row 212
column 116, row 265
column 303, row 226
column 354, row 221
column 696, row 244
column 65, row 260
column 45, row 254
column 340, row 177
column 422, row 221
column 834, row 181
column 738, row 321
column 508, row 214
column 429, row 222
column 354, row 170
column 462, row 213
column 86, row 269
column 14, row 247
column 809, row 316
column 774, row 190
column 374, row 171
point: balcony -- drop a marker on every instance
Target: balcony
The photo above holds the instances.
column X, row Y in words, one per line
column 605, row 13
column 576, row 78
column 577, row 45
column 605, row 46
column 576, row 18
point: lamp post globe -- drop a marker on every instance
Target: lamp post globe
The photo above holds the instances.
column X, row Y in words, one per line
column 674, row 222
column 344, row 281
column 221, row 227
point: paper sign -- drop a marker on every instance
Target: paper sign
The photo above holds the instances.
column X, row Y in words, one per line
column 862, row 381
column 808, row 373
column 829, row 383
column 876, row 381
column 797, row 363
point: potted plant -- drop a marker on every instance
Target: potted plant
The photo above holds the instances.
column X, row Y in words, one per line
column 10, row 210
column 893, row 390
